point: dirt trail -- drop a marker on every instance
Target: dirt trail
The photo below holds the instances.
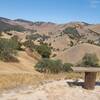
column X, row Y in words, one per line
column 55, row 90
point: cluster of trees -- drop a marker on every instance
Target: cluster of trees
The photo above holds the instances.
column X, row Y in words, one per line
column 72, row 32
column 52, row 66
column 8, row 49
column 44, row 50
column 47, row 65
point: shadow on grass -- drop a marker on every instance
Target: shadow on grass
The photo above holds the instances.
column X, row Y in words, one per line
column 77, row 83
column 11, row 59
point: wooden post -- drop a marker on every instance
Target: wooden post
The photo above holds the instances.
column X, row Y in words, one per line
column 90, row 79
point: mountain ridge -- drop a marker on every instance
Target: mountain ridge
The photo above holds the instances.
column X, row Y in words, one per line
column 25, row 20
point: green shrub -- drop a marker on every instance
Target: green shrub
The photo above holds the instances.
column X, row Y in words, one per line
column 54, row 55
column 52, row 66
column 72, row 32
column 90, row 60
column 7, row 49
column 67, row 67
column 71, row 43
column 49, row 66
column 44, row 50
column 15, row 41
column 90, row 41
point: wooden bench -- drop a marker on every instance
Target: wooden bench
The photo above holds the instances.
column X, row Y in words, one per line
column 90, row 76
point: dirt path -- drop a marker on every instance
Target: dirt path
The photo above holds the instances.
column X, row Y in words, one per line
column 55, row 90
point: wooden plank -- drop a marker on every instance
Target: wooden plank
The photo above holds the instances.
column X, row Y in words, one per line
column 85, row 69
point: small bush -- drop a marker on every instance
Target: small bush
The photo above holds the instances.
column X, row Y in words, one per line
column 54, row 55
column 90, row 60
column 71, row 43
column 90, row 41
column 7, row 49
column 67, row 67
column 49, row 66
column 44, row 50
column 15, row 41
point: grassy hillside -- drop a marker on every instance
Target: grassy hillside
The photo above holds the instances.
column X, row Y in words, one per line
column 75, row 54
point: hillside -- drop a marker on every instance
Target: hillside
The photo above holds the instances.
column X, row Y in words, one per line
column 64, row 38
column 25, row 64
column 75, row 54
column 69, row 42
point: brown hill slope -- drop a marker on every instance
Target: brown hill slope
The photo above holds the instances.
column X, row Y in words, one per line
column 95, row 28
column 75, row 54
column 25, row 64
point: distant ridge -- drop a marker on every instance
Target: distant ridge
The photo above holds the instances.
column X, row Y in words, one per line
column 22, row 20
column 29, row 21
column 4, row 19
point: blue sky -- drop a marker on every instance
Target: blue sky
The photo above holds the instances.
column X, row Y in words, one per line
column 59, row 11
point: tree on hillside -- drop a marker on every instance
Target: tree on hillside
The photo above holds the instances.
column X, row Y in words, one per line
column 49, row 66
column 17, row 43
column 90, row 60
column 44, row 50
column 90, row 41
column 8, row 49
column 72, row 32
column 71, row 43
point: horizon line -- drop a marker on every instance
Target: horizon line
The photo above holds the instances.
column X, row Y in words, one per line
column 55, row 22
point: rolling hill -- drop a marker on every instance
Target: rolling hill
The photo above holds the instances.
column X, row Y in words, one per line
column 25, row 64
column 76, row 53
column 69, row 41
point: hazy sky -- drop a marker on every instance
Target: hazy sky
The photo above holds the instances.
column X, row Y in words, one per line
column 60, row 11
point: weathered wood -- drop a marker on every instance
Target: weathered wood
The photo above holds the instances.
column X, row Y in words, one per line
column 85, row 69
column 90, row 76
column 90, row 79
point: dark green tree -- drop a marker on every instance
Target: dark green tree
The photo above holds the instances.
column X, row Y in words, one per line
column 90, row 60
column 17, row 43
column 49, row 66
column 8, row 49
column 44, row 50
column 67, row 67
column 72, row 32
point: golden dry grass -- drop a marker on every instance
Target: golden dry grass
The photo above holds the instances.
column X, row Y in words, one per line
column 25, row 64
column 23, row 73
column 13, row 80
column 76, row 53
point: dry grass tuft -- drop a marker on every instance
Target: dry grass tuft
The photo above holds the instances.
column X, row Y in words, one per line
column 13, row 80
